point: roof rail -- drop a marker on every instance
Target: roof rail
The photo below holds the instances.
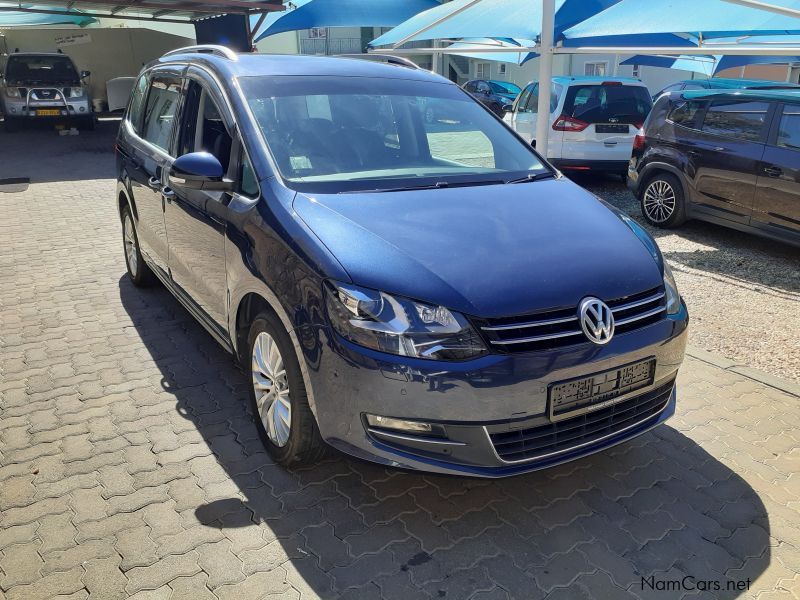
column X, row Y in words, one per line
column 221, row 51
column 384, row 58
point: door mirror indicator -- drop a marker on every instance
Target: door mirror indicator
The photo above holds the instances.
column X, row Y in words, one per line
column 199, row 171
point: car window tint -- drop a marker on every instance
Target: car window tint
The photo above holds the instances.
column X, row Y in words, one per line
column 522, row 99
column 789, row 128
column 601, row 103
column 743, row 120
column 685, row 113
column 210, row 134
column 247, row 184
column 532, row 101
column 135, row 107
column 159, row 116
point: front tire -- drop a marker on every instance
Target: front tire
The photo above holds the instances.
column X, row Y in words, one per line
column 662, row 201
column 278, row 395
column 138, row 271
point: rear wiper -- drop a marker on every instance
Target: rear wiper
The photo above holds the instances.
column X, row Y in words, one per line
column 429, row 186
column 532, row 177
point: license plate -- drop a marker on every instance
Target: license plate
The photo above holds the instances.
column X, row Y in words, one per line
column 611, row 128
column 48, row 112
column 571, row 398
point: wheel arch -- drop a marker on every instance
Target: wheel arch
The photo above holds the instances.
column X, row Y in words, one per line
column 656, row 168
column 246, row 304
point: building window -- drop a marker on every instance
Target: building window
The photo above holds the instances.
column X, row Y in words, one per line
column 318, row 32
column 501, row 69
column 595, row 69
column 635, row 72
column 482, row 70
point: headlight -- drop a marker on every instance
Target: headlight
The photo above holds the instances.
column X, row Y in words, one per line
column 13, row 92
column 75, row 92
column 400, row 326
column 673, row 297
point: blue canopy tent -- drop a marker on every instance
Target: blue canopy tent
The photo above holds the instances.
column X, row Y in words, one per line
column 14, row 18
column 706, row 65
column 518, row 19
column 339, row 13
column 704, row 20
column 513, row 57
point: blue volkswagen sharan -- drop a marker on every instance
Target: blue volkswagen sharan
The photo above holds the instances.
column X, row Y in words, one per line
column 401, row 275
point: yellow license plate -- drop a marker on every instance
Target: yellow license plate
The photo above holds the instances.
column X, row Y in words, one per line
column 48, row 112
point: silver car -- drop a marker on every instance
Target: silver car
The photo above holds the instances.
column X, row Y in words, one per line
column 38, row 86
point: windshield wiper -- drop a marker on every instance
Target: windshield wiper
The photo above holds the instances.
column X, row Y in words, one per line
column 532, row 177
column 428, row 186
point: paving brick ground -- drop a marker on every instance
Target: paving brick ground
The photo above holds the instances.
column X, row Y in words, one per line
column 130, row 466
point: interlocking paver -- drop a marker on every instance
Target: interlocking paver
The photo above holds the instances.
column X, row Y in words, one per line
column 130, row 465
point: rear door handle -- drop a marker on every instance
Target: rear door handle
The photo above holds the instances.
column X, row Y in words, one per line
column 773, row 171
column 154, row 183
column 168, row 193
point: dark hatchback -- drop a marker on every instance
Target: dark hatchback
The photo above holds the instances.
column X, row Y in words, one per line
column 732, row 158
column 431, row 296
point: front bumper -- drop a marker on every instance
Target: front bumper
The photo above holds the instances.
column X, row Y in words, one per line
column 27, row 108
column 479, row 401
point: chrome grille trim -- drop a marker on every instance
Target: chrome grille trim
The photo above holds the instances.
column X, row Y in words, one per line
column 555, row 328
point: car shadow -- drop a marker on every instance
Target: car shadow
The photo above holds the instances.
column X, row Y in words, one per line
column 649, row 515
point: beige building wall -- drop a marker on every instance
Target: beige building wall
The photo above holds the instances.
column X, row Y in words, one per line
column 107, row 53
column 768, row 72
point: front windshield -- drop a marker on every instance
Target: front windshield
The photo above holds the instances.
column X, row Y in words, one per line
column 344, row 134
column 41, row 69
column 504, row 87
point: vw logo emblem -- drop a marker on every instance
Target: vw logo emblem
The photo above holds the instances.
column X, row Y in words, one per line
column 613, row 120
column 597, row 320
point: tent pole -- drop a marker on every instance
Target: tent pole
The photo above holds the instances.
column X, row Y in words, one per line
column 545, row 75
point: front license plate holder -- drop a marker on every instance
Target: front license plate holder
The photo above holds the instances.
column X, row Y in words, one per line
column 588, row 393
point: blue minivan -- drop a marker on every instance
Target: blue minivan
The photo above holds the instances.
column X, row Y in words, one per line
column 426, row 295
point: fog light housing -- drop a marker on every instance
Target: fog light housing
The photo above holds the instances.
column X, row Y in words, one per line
column 405, row 426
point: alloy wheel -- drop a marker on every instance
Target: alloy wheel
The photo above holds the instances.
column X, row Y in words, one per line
column 131, row 252
column 271, row 388
column 659, row 201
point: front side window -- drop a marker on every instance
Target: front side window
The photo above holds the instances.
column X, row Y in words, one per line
column 734, row 118
column 789, row 128
column 41, row 70
column 601, row 103
column 159, row 114
column 204, row 130
column 358, row 133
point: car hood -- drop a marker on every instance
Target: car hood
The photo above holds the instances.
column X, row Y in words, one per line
column 487, row 251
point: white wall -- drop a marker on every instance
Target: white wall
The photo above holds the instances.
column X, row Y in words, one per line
column 110, row 53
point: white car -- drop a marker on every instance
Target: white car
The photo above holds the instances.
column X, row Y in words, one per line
column 593, row 121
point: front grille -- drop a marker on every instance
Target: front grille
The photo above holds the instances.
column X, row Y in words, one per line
column 562, row 436
column 560, row 328
column 45, row 94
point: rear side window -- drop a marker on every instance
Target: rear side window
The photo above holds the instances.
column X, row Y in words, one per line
column 789, row 128
column 685, row 113
column 159, row 114
column 602, row 103
column 532, row 101
column 743, row 120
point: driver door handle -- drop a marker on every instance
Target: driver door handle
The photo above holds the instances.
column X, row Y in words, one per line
column 168, row 193
column 154, row 183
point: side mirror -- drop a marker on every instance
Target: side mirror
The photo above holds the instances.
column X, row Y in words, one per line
column 85, row 74
column 199, row 171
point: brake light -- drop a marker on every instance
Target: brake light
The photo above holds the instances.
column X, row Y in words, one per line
column 639, row 140
column 612, row 83
column 566, row 123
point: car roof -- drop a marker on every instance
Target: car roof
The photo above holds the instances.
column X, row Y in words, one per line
column 725, row 82
column 768, row 95
column 252, row 65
